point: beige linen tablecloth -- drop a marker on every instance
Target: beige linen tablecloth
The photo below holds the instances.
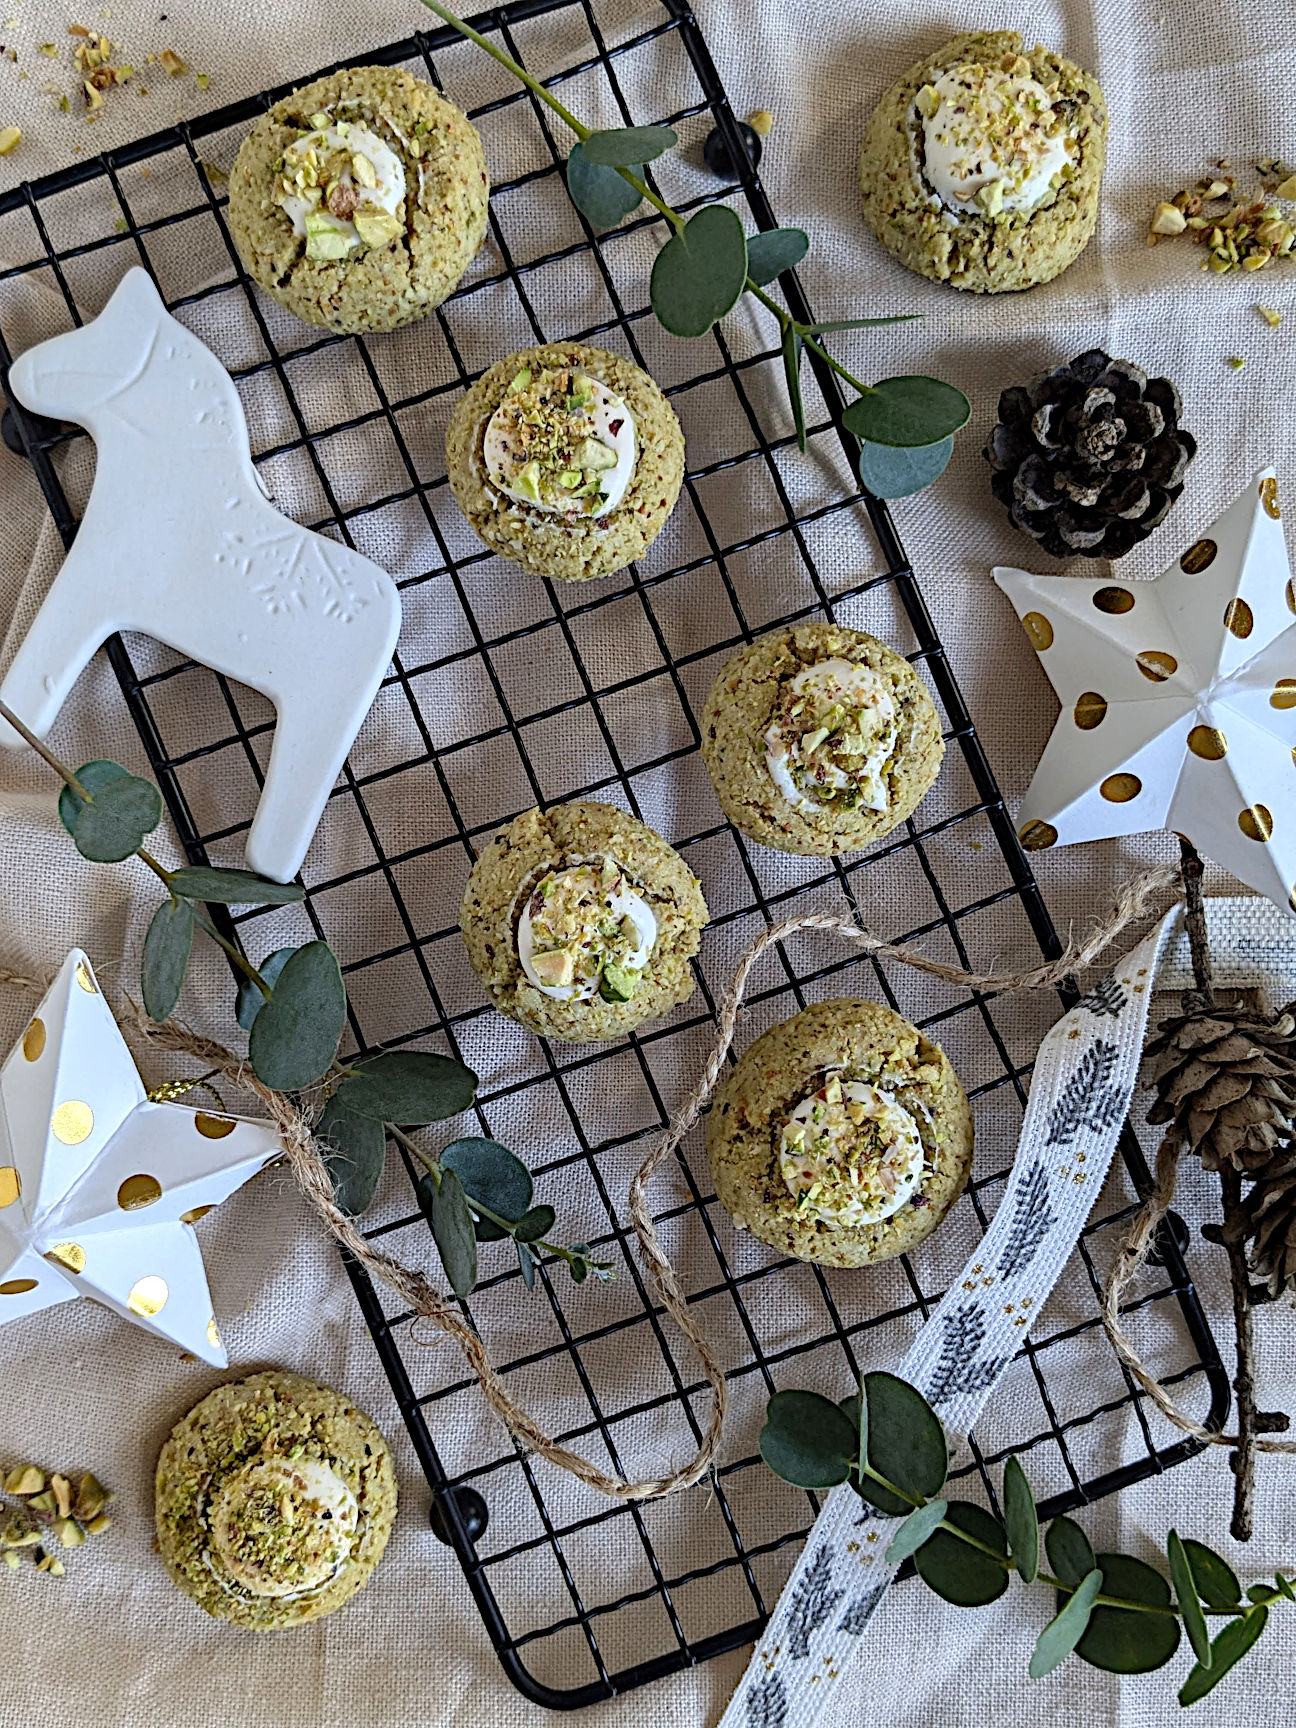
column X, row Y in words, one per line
column 113, row 1643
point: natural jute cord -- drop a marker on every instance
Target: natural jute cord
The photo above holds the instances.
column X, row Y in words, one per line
column 1137, row 899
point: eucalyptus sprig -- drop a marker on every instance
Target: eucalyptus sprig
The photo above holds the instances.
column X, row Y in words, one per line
column 1111, row 1610
column 293, row 1008
column 905, row 425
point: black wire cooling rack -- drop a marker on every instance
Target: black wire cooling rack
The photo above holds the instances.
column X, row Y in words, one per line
column 583, row 1598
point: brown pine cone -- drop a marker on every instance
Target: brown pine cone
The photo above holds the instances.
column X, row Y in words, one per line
column 1268, row 1224
column 1228, row 1083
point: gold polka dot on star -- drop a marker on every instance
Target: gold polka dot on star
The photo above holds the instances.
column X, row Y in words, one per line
column 1198, row 557
column 1038, row 628
column 1256, row 822
column 1114, row 600
column 69, row 1254
column 139, row 1191
column 72, row 1122
column 85, row 978
column 17, row 1286
column 10, row 1185
column 1153, row 663
column 213, row 1127
column 1291, row 593
column 1208, row 742
column 1284, row 695
column 194, row 1214
column 33, row 1043
column 148, row 1296
column 1239, row 618
column 1120, row 788
column 1269, row 496
column 213, row 1336
column 1036, row 836
column 1090, row 710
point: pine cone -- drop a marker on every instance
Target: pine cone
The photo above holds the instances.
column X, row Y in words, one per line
column 1228, row 1083
column 1090, row 457
column 1268, row 1224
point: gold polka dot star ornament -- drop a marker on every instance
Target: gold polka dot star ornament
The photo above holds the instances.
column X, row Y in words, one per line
column 100, row 1187
column 1178, row 699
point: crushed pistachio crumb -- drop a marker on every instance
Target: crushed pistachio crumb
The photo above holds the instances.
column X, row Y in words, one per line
column 171, row 63
column 761, row 122
column 1236, row 361
column 10, row 138
column 1272, row 317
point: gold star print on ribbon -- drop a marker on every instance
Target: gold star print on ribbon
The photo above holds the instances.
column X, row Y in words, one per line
column 1178, row 699
column 99, row 1187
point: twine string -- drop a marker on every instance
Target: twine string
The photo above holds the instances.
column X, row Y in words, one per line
column 1137, row 898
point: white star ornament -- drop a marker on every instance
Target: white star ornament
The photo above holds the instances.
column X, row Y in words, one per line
column 1178, row 699
column 100, row 1188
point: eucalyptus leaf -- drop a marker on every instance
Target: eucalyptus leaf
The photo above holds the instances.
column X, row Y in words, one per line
column 775, row 250
column 857, row 323
column 906, row 1444
column 410, row 1087
column 233, row 887
column 491, row 1174
column 526, row 1261
column 250, row 998
column 889, row 472
column 1021, row 1521
column 579, row 1269
column 354, row 1151
column 538, row 1222
column 700, row 272
column 124, row 812
column 915, row 1530
column 1065, row 1630
column 1263, row 1594
column 628, row 146
column 1069, row 1551
column 295, row 1035
column 792, row 351
column 94, row 776
column 957, row 1571
column 167, row 948
column 601, row 195
column 1126, row 1640
column 807, row 1440
column 1227, row 1650
column 907, row 410
column 1190, row 1608
column 452, row 1230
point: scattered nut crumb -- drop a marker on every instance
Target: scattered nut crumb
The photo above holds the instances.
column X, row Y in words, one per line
column 10, row 138
column 1236, row 361
column 172, row 63
column 761, row 122
column 1272, row 317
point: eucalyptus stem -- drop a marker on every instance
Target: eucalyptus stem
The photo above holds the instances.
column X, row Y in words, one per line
column 42, row 750
column 785, row 319
column 433, row 1167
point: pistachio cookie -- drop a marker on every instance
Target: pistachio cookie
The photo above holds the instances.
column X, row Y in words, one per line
column 981, row 167
column 360, row 200
column 566, row 459
column 275, row 1498
column 841, row 1136
column 581, row 922
column 820, row 739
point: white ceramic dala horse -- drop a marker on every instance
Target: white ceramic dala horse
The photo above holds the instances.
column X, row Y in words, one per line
column 179, row 542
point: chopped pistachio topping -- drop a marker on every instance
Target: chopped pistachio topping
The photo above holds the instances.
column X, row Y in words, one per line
column 342, row 189
column 281, row 1527
column 586, row 931
column 850, row 1154
column 562, row 442
column 992, row 140
column 832, row 737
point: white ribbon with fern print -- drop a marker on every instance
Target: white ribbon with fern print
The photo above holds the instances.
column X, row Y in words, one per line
column 1083, row 1080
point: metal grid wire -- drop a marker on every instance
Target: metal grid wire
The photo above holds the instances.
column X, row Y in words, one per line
column 698, row 1573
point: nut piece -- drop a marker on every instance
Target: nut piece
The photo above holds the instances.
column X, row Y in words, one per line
column 1286, row 188
column 171, row 62
column 61, row 1489
column 1236, row 361
column 91, row 1498
column 1271, row 316
column 69, row 1532
column 1168, row 219
column 10, row 139
column 761, row 122
column 51, row 1564
column 24, row 1479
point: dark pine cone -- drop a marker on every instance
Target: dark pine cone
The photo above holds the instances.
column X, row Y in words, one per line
column 1090, row 457
column 1227, row 1080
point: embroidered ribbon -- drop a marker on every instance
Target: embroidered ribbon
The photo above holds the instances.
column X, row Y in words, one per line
column 1084, row 1078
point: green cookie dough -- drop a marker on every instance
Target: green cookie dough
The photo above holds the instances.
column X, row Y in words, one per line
column 573, row 548
column 753, row 691
column 407, row 260
column 531, row 867
column 275, row 1497
column 977, row 243
column 917, row 1105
